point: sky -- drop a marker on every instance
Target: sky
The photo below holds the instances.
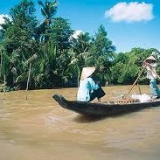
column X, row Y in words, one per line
column 129, row 24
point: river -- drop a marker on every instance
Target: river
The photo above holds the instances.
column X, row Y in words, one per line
column 39, row 129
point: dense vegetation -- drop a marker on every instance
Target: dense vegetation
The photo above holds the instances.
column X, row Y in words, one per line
column 49, row 55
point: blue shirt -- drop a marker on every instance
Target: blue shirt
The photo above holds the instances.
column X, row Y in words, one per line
column 86, row 86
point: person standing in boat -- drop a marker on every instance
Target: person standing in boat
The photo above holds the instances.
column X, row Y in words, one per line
column 150, row 64
column 89, row 88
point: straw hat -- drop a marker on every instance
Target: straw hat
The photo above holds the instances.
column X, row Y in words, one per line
column 86, row 72
column 151, row 58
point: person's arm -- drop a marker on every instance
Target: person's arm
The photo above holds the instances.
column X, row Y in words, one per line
column 94, row 85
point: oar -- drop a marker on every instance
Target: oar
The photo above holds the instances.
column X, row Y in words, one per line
column 140, row 73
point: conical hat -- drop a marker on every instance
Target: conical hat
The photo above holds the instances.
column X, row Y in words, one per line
column 151, row 58
column 86, row 72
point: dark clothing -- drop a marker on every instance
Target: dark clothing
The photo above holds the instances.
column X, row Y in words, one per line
column 99, row 93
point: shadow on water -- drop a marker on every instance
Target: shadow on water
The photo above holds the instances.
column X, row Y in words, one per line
column 88, row 119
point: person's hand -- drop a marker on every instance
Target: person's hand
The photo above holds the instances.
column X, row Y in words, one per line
column 145, row 63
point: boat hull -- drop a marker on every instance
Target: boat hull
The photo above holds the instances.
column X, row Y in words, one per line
column 102, row 109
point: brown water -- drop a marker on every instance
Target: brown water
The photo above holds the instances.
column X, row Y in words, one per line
column 39, row 129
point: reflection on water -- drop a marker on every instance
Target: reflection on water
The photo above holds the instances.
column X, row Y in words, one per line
column 38, row 128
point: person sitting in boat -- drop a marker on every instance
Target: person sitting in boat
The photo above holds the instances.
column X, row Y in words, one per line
column 89, row 89
column 150, row 64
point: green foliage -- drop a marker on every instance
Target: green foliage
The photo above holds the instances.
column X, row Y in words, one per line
column 101, row 53
column 48, row 9
column 56, row 56
column 61, row 31
column 18, row 43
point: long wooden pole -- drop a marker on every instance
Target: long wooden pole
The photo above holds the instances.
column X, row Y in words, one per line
column 4, row 77
column 29, row 74
column 1, row 65
column 4, row 89
column 139, row 88
column 134, row 83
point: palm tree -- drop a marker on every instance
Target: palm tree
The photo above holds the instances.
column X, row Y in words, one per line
column 48, row 10
column 80, row 44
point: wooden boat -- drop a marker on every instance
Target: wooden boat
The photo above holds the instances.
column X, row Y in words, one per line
column 103, row 109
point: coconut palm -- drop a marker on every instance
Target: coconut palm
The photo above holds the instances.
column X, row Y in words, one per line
column 48, row 10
